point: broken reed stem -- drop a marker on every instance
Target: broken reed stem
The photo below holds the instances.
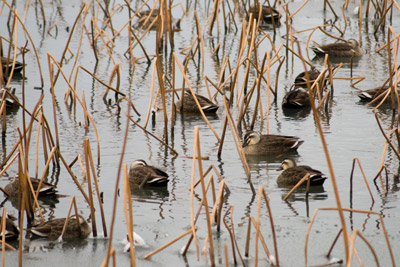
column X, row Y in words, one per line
column 168, row 244
column 30, row 39
column 115, row 71
column 51, row 72
column 116, row 190
column 271, row 220
column 129, row 216
column 352, row 246
column 217, row 201
column 257, row 225
column 54, row 81
column 194, row 218
column 307, row 176
column 363, row 174
column 260, row 236
column 158, row 139
column 3, row 236
column 15, row 30
column 151, row 93
column 205, row 204
column 386, row 137
column 231, row 235
column 162, row 89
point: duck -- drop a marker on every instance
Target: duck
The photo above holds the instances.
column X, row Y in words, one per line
column 257, row 144
column 190, row 106
column 12, row 230
column 268, row 14
column 6, row 63
column 350, row 48
column 292, row 174
column 52, row 229
column 142, row 174
column 301, row 79
column 46, row 189
column 378, row 92
column 10, row 98
column 138, row 241
column 296, row 98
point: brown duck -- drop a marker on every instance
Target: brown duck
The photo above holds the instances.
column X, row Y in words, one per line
column 52, row 229
column 142, row 174
column 46, row 189
column 350, row 48
column 190, row 106
column 257, row 144
column 292, row 174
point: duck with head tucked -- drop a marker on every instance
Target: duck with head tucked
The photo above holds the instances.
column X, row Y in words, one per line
column 292, row 174
column 142, row 174
column 296, row 98
column 187, row 104
column 310, row 75
column 350, row 48
column 77, row 228
column 46, row 189
column 270, row 144
column 268, row 14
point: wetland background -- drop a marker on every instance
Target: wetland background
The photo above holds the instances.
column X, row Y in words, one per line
column 349, row 127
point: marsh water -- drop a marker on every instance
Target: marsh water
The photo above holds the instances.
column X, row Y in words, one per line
column 349, row 127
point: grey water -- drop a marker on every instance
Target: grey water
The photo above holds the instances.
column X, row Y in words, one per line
column 349, row 127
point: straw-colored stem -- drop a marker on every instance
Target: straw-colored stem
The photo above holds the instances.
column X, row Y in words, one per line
column 168, row 244
column 128, row 215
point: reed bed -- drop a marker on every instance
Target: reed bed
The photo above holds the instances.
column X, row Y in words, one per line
column 247, row 84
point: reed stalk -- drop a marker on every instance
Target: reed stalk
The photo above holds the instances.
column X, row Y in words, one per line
column 80, row 102
column 332, row 174
column 30, row 39
column 168, row 244
column 350, row 210
column 365, row 179
column 86, row 146
column 116, row 190
column 3, row 236
column 54, row 80
column 128, row 215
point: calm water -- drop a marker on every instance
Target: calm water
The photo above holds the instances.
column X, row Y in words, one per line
column 349, row 127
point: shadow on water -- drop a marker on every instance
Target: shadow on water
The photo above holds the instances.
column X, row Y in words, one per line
column 296, row 113
column 148, row 194
column 315, row 193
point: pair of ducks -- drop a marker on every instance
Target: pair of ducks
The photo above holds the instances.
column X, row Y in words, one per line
column 77, row 228
column 257, row 144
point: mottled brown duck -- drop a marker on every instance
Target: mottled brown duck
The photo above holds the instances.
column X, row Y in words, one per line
column 292, row 174
column 257, row 144
column 77, row 228
column 269, row 14
column 190, row 106
column 142, row 174
column 350, row 48
column 46, row 189
column 296, row 98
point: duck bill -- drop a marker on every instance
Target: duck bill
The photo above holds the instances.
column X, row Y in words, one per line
column 244, row 144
